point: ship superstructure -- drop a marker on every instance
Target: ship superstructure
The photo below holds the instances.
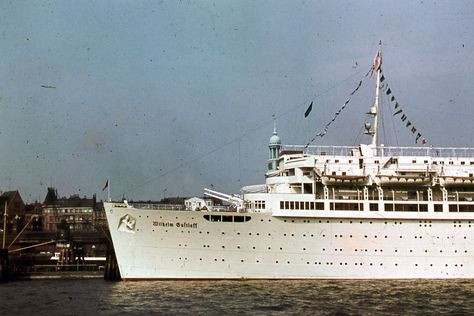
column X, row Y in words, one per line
column 324, row 212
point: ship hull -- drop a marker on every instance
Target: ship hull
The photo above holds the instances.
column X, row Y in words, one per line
column 167, row 244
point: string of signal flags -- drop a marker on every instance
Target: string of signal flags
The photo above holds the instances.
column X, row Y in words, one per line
column 385, row 88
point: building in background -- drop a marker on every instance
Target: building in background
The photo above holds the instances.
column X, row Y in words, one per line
column 80, row 214
column 12, row 201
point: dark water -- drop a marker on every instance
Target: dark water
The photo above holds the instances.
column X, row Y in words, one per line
column 316, row 297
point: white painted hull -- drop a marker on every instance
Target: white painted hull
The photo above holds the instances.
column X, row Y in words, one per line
column 278, row 247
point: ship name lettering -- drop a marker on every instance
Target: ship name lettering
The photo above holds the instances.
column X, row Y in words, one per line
column 163, row 224
column 187, row 225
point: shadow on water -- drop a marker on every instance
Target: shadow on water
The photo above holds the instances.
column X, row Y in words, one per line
column 315, row 297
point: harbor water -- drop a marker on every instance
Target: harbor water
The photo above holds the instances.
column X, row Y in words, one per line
column 314, row 297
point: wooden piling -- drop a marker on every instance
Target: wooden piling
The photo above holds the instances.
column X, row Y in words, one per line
column 4, row 265
column 111, row 271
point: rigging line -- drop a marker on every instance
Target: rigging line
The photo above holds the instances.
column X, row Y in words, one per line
column 181, row 166
column 393, row 126
column 265, row 123
column 358, row 136
column 324, row 131
column 323, row 92
column 382, row 116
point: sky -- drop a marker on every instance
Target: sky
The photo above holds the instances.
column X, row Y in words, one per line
column 164, row 98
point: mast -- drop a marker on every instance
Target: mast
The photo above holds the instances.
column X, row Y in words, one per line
column 375, row 109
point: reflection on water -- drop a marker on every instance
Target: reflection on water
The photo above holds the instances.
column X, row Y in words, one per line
column 317, row 297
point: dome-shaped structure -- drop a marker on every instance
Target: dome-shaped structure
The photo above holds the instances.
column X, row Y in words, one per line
column 275, row 139
column 274, row 150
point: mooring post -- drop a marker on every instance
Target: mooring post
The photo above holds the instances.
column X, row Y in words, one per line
column 4, row 272
column 111, row 270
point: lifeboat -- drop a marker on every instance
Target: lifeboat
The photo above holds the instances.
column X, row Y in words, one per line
column 345, row 179
column 456, row 181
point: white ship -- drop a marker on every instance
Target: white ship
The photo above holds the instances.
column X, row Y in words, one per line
column 324, row 212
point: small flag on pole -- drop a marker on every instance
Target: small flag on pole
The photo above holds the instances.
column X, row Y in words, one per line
column 106, row 185
column 308, row 110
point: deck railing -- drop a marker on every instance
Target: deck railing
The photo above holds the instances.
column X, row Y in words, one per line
column 152, row 206
column 384, row 151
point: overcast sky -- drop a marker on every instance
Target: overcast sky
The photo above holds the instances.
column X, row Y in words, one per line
column 179, row 95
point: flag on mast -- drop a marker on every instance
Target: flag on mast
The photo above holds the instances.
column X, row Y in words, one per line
column 308, row 110
column 106, row 185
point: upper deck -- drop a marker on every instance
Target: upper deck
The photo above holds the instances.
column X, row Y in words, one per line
column 383, row 151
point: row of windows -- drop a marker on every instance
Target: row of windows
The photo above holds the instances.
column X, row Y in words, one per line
column 65, row 211
column 301, row 205
column 259, row 205
column 389, row 207
column 227, row 218
column 340, row 263
column 414, row 161
column 336, row 249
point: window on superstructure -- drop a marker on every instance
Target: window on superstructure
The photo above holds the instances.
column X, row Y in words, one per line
column 422, row 207
column 308, row 188
column 216, row 218
column 347, row 206
column 406, row 207
column 227, row 218
column 292, row 205
column 466, row 208
column 438, row 207
column 260, row 205
column 282, row 205
column 238, row 219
